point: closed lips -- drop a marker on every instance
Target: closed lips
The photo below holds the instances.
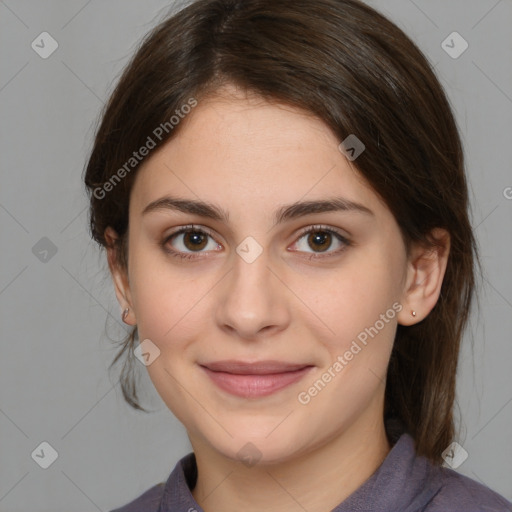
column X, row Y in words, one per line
column 259, row 368
column 254, row 380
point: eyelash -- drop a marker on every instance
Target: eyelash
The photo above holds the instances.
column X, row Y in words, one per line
column 196, row 229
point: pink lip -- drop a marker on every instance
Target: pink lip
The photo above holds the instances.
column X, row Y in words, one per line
column 250, row 380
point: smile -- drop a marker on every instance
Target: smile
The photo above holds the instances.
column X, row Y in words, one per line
column 254, row 380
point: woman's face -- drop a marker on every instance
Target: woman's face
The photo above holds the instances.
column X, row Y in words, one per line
column 266, row 335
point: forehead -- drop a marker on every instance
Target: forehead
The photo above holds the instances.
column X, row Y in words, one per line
column 234, row 148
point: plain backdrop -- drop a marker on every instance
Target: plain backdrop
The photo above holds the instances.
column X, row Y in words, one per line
column 58, row 309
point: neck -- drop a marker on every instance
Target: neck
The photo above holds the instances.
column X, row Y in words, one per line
column 316, row 481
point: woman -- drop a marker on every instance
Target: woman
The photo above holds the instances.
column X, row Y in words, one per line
column 280, row 189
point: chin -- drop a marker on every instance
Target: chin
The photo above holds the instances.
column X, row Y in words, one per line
column 262, row 442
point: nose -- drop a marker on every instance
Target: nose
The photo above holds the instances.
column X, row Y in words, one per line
column 252, row 300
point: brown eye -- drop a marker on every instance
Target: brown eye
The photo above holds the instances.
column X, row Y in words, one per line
column 188, row 240
column 320, row 239
column 195, row 240
column 317, row 239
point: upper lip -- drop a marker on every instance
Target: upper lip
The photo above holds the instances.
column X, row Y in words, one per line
column 254, row 368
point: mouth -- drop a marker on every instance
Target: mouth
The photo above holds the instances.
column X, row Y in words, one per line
column 254, row 380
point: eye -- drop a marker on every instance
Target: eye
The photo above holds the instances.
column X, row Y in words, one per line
column 189, row 238
column 321, row 238
column 192, row 239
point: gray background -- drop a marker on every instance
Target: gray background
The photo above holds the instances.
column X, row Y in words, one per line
column 54, row 382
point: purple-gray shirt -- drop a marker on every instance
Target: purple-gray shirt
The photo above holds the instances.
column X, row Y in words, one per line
column 404, row 482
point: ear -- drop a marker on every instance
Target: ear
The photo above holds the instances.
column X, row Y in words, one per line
column 425, row 272
column 119, row 276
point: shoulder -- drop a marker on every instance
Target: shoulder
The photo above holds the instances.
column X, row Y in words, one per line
column 148, row 501
column 461, row 493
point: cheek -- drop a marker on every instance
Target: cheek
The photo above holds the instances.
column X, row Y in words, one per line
column 168, row 312
column 356, row 296
column 158, row 298
column 171, row 302
column 360, row 306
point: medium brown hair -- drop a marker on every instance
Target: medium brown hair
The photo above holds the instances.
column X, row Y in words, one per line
column 360, row 74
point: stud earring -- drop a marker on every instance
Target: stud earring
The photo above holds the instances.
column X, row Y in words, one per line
column 125, row 313
column 413, row 313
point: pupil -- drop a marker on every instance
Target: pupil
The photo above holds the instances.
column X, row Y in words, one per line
column 320, row 239
column 195, row 239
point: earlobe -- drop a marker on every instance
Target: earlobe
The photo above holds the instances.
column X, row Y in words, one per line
column 119, row 277
column 425, row 274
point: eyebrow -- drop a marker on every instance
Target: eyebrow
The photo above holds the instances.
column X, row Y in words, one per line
column 282, row 214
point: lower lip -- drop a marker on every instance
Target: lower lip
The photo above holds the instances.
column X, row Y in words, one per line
column 254, row 386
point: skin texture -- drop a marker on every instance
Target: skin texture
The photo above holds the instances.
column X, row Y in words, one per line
column 250, row 157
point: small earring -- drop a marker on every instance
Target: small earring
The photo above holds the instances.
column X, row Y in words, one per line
column 125, row 313
column 413, row 313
